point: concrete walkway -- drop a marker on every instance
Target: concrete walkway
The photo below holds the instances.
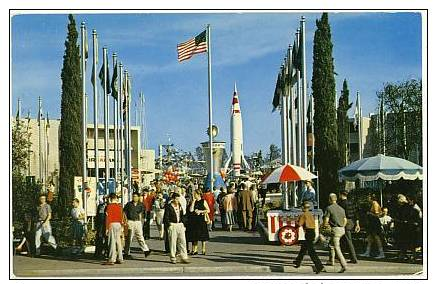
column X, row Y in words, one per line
column 228, row 254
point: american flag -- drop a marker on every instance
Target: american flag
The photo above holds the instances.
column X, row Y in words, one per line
column 193, row 46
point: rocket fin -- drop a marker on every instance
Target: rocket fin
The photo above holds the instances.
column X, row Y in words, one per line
column 228, row 162
column 246, row 164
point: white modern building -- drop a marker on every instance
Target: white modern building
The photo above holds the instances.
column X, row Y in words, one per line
column 43, row 161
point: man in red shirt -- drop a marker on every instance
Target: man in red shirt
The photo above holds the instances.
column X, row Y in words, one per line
column 148, row 199
column 114, row 219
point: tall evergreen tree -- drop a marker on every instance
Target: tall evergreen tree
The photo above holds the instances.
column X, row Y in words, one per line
column 70, row 138
column 325, row 127
column 343, row 125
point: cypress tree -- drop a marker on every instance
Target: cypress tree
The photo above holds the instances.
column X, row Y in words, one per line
column 325, row 126
column 343, row 125
column 70, row 138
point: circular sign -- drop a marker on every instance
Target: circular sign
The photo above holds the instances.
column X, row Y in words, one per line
column 288, row 235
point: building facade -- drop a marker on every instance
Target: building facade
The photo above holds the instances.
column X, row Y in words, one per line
column 43, row 162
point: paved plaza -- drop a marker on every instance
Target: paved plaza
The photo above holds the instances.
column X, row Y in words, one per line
column 230, row 254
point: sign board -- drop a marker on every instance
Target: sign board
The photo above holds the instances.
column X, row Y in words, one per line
column 136, row 175
column 91, row 194
column 91, row 159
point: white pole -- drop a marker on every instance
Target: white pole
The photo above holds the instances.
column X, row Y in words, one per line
column 360, row 150
column 96, row 113
column 84, row 118
column 106, row 116
column 313, row 166
column 299, row 111
column 210, row 107
column 284, row 134
column 304, row 96
column 40, row 140
column 120, row 115
column 114, row 65
column 129, row 140
column 47, row 148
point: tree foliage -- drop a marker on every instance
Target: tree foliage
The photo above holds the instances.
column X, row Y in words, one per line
column 325, row 128
column 24, row 195
column 70, row 137
column 403, row 123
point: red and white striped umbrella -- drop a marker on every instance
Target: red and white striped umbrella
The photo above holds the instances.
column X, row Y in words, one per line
column 288, row 173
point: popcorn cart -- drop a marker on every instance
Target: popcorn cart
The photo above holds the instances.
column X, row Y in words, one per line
column 282, row 224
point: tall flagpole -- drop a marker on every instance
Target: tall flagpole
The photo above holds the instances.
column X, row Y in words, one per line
column 382, row 114
column 299, row 111
column 208, row 28
column 284, row 132
column 84, row 118
column 114, row 65
column 304, row 96
column 47, row 126
column 40, row 141
column 360, row 146
column 96, row 98
column 106, row 116
column 313, row 166
column 128, row 138
column 120, row 115
column 28, row 142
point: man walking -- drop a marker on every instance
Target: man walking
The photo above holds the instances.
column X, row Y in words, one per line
column 246, row 206
column 336, row 218
column 148, row 199
column 352, row 225
column 133, row 211
column 307, row 222
column 114, row 219
column 176, row 230
column 42, row 226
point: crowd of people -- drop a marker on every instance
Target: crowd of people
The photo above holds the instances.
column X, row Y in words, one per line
column 186, row 214
column 341, row 220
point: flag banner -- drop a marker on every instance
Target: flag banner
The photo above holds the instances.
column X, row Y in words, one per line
column 39, row 116
column 300, row 51
column 276, row 95
column 47, row 122
column 114, row 82
column 97, row 62
column 193, row 46
column 102, row 77
column 295, row 56
column 92, row 76
column 86, row 45
column 356, row 114
column 124, row 97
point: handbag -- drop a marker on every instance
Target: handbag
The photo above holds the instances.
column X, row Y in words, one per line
column 207, row 219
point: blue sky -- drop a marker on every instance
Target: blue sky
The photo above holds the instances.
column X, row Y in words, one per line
column 247, row 48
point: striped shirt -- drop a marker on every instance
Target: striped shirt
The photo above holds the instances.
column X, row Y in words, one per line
column 193, row 46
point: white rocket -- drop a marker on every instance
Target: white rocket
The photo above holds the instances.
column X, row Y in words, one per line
column 237, row 154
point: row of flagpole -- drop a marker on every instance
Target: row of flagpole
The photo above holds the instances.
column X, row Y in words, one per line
column 291, row 95
column 43, row 141
column 119, row 87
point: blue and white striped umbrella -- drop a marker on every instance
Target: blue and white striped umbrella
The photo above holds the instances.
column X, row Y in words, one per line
column 381, row 167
